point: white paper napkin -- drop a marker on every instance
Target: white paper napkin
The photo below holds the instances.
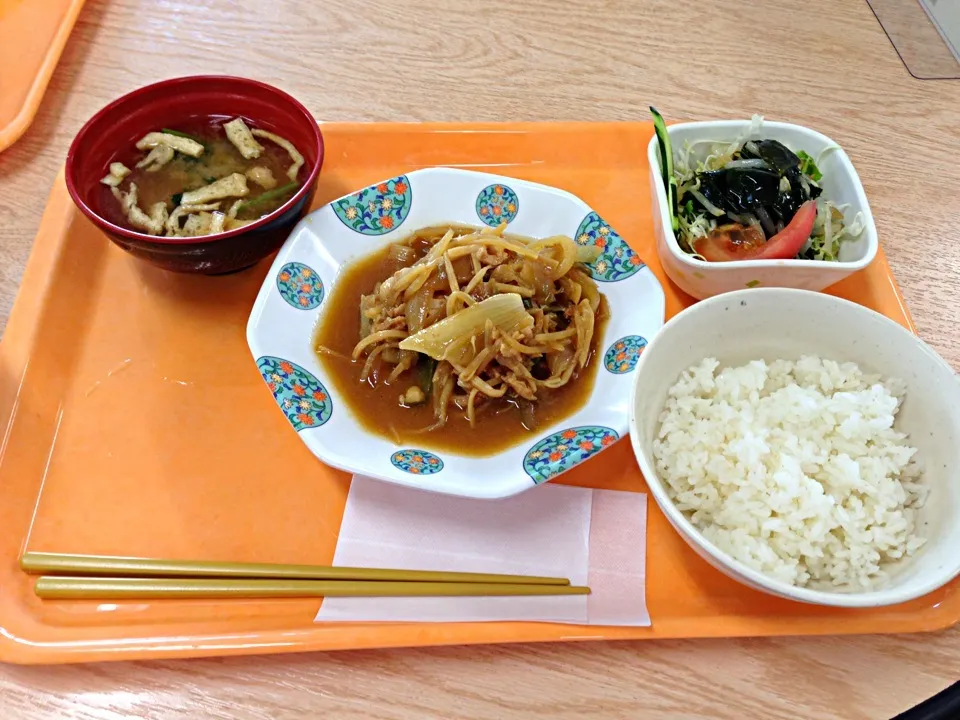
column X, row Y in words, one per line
column 594, row 537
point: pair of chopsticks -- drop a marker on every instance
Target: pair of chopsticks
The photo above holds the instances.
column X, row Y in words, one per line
column 98, row 577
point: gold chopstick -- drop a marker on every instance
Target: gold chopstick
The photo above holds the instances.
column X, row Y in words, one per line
column 38, row 563
column 129, row 588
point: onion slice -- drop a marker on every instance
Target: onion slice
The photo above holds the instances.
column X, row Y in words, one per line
column 505, row 311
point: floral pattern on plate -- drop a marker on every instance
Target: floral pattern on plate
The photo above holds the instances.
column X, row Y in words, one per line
column 617, row 260
column 417, row 462
column 300, row 286
column 563, row 450
column 622, row 356
column 301, row 396
column 378, row 209
column 496, row 204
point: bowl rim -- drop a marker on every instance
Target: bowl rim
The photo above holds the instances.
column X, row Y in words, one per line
column 690, row 533
column 258, row 342
column 870, row 229
column 128, row 234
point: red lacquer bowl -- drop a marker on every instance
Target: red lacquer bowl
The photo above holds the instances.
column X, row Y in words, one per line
column 110, row 135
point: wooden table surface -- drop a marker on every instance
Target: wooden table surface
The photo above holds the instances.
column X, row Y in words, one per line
column 824, row 63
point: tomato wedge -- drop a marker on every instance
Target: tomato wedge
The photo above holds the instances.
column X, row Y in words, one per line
column 736, row 242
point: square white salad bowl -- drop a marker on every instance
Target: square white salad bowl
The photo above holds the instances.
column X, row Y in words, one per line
column 840, row 183
column 291, row 304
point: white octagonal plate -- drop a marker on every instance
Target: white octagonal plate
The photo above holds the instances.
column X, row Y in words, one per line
column 306, row 270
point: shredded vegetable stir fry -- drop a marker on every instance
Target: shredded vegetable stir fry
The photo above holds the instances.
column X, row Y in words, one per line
column 480, row 317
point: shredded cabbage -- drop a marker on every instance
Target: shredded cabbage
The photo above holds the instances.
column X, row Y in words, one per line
column 829, row 231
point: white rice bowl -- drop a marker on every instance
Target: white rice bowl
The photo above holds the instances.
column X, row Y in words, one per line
column 794, row 468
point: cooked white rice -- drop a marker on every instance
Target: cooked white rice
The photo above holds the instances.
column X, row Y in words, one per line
column 794, row 468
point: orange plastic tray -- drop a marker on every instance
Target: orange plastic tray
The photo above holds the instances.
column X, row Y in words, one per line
column 137, row 424
column 32, row 36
